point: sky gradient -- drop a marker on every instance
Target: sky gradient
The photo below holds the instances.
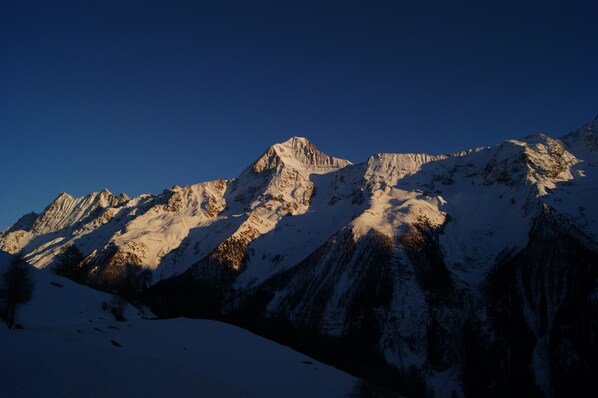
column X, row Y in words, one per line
column 136, row 96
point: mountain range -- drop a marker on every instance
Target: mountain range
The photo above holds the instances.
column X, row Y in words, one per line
column 467, row 274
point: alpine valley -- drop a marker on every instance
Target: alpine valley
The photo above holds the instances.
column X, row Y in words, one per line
column 468, row 274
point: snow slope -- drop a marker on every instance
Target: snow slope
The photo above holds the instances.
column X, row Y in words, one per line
column 67, row 348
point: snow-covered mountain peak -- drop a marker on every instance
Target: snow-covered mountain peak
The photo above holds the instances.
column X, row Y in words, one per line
column 296, row 142
column 25, row 223
column 584, row 140
column 537, row 160
column 66, row 210
column 591, row 127
column 299, row 154
column 62, row 197
column 538, row 138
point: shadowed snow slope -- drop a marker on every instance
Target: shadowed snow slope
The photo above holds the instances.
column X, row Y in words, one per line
column 70, row 346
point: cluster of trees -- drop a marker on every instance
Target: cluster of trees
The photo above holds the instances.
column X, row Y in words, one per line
column 70, row 263
column 16, row 288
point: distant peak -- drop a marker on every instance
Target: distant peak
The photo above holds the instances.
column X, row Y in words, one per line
column 590, row 127
column 63, row 196
column 105, row 193
column 63, row 199
column 296, row 141
column 25, row 223
column 298, row 153
column 587, row 131
column 296, row 144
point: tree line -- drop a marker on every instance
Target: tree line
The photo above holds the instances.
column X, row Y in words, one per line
column 16, row 288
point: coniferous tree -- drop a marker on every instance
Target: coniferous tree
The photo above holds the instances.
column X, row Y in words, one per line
column 16, row 288
column 70, row 264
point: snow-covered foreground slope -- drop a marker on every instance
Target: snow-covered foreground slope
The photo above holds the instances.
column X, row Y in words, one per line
column 70, row 346
column 182, row 357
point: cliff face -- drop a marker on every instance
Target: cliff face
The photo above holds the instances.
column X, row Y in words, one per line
column 469, row 273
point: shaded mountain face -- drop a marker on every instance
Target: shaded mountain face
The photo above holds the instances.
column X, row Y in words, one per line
column 468, row 273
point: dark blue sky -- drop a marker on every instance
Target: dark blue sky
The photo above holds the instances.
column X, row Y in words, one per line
column 137, row 96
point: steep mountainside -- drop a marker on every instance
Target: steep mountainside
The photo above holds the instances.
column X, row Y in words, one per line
column 421, row 266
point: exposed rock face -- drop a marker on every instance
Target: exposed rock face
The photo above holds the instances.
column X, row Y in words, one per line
column 467, row 274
